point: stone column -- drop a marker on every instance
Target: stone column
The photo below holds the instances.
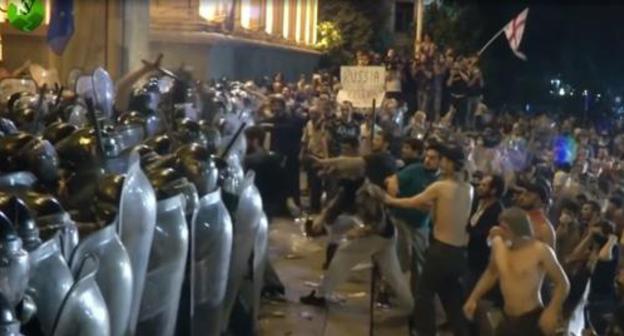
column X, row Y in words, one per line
column 136, row 20
column 280, row 15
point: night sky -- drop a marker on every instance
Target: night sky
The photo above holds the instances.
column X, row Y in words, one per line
column 583, row 43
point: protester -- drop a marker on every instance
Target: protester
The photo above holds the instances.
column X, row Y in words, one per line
column 314, row 143
column 412, row 224
column 598, row 256
column 506, row 147
column 484, row 217
column 534, row 197
column 286, row 132
column 268, row 167
column 519, row 264
column 569, row 232
column 411, row 152
column 445, row 260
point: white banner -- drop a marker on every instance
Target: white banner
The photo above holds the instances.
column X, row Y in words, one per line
column 362, row 84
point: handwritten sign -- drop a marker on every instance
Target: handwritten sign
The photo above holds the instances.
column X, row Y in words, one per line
column 362, row 84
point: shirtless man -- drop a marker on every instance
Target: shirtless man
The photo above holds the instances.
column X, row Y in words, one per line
column 450, row 199
column 533, row 198
column 519, row 262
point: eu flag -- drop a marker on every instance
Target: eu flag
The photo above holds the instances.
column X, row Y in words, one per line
column 61, row 25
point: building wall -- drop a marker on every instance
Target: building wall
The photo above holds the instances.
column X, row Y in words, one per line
column 117, row 34
column 97, row 41
column 195, row 33
column 215, row 56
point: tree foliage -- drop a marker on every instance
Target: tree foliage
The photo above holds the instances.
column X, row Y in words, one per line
column 361, row 25
column 454, row 24
column 329, row 37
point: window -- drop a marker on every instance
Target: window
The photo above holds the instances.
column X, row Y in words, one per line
column 403, row 16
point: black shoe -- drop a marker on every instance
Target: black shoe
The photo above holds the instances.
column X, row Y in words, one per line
column 383, row 299
column 273, row 295
column 313, row 300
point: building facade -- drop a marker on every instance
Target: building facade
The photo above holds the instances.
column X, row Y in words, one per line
column 235, row 38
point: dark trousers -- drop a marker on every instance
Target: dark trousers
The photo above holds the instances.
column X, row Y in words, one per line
column 292, row 177
column 315, row 188
column 598, row 309
column 442, row 275
column 459, row 119
column 524, row 325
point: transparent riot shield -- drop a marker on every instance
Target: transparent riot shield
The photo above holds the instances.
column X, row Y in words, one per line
column 104, row 92
column 163, row 284
column 113, row 276
column 83, row 312
column 137, row 219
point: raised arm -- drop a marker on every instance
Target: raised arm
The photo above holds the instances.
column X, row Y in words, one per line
column 349, row 167
column 606, row 252
column 23, row 68
column 422, row 201
column 580, row 252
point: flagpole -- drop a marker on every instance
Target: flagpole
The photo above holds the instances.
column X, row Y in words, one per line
column 492, row 40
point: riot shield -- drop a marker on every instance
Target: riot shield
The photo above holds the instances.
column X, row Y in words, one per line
column 246, row 220
column 137, row 219
column 53, row 221
column 83, row 312
column 10, row 86
column 72, row 77
column 245, row 313
column 17, row 181
column 50, row 279
column 9, row 324
column 66, row 229
column 20, row 215
column 84, row 87
column 211, row 255
column 113, row 276
column 14, row 265
column 165, row 272
column 77, row 116
column 104, row 92
column 260, row 261
column 128, row 136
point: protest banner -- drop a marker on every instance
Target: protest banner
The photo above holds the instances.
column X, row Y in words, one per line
column 362, row 84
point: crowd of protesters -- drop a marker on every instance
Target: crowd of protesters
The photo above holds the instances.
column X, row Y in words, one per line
column 544, row 187
column 433, row 81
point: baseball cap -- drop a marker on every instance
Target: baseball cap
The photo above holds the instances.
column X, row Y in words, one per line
column 452, row 152
column 537, row 185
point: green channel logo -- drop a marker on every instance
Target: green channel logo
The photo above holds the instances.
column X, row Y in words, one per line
column 26, row 15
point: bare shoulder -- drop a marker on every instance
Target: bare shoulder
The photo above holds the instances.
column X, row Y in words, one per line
column 543, row 249
column 435, row 186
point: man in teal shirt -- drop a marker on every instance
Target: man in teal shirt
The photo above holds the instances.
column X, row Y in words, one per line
column 413, row 225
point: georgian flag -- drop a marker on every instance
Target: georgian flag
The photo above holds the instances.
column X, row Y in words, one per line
column 514, row 31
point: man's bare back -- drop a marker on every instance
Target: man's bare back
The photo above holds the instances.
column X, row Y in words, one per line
column 451, row 200
column 451, row 211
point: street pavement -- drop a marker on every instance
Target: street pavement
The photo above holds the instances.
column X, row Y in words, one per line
column 298, row 260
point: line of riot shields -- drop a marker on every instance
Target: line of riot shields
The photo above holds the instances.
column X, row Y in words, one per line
column 133, row 222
